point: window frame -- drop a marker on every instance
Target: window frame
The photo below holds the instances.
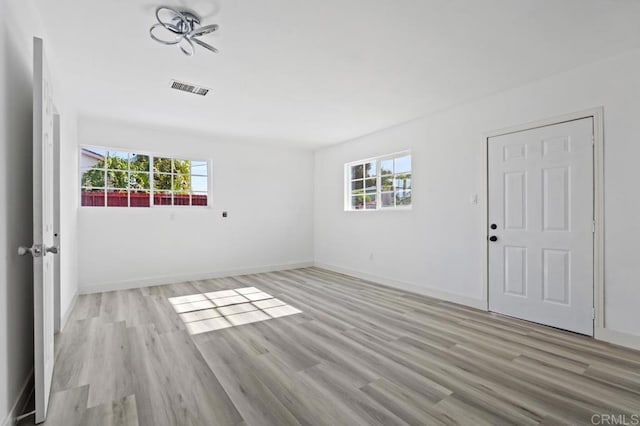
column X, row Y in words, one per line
column 378, row 160
column 152, row 156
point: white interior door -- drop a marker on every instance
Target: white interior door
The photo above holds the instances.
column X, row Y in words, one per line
column 43, row 247
column 541, row 213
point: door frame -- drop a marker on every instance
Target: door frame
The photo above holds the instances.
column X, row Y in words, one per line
column 57, row 314
column 597, row 114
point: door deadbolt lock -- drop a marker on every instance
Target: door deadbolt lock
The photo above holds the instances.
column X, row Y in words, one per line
column 493, row 238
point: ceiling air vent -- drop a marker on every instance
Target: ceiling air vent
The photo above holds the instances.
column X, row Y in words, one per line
column 189, row 88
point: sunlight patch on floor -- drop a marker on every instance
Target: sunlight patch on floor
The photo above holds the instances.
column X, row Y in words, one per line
column 216, row 310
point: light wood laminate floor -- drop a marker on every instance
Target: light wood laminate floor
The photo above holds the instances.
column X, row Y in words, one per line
column 358, row 354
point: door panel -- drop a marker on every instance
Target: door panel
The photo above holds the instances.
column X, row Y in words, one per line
column 43, row 249
column 556, row 199
column 515, row 270
column 541, row 199
column 555, row 270
column 515, row 199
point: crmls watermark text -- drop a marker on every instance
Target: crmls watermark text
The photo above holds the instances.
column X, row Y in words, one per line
column 616, row 419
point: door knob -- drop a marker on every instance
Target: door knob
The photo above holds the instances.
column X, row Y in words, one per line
column 493, row 238
column 35, row 250
column 24, row 250
column 38, row 250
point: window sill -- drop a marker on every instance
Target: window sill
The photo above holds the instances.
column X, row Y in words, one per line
column 388, row 209
column 146, row 208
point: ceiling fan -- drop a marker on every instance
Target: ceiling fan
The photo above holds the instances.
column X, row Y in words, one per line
column 181, row 27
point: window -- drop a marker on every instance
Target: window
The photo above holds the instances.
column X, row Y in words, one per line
column 379, row 183
column 127, row 179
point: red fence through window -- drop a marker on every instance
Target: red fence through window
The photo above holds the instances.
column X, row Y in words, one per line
column 121, row 199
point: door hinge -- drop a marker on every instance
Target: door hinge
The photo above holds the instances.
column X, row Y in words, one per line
column 593, row 227
column 593, row 313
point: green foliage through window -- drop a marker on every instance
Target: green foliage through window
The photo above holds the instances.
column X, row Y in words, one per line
column 379, row 183
column 133, row 179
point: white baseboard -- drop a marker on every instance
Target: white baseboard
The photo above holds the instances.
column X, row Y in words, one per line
column 631, row 341
column 413, row 288
column 21, row 402
column 163, row 280
column 618, row 338
column 67, row 313
column 604, row 334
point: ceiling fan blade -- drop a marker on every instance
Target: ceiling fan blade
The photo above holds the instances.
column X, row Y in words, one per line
column 187, row 48
column 174, row 15
column 205, row 45
column 207, row 29
column 176, row 38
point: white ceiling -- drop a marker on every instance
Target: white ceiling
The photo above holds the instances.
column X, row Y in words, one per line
column 321, row 72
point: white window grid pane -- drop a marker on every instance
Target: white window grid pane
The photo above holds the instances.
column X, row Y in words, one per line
column 379, row 176
column 111, row 154
column 138, row 172
column 152, row 191
column 191, row 192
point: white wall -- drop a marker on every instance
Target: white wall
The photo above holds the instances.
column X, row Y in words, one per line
column 68, row 207
column 436, row 248
column 266, row 190
column 16, row 286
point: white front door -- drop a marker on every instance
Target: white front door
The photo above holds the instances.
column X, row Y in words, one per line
column 541, row 211
column 43, row 248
